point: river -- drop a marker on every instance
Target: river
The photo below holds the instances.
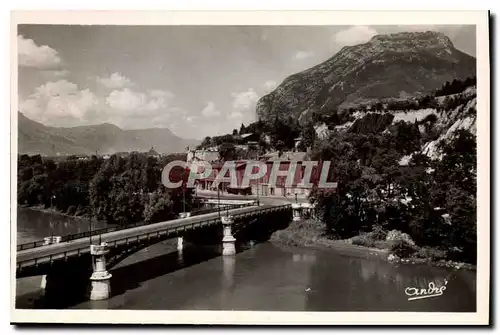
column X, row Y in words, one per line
column 260, row 277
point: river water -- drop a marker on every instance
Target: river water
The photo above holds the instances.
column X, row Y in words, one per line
column 260, row 277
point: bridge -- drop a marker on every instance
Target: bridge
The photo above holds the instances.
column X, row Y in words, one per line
column 59, row 258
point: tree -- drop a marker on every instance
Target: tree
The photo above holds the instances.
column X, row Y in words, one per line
column 375, row 191
column 227, row 151
column 159, row 207
column 206, row 143
column 308, row 136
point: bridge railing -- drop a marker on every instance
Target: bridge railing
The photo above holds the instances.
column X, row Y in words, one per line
column 35, row 258
column 70, row 237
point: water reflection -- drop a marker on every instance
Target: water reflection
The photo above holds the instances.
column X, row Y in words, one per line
column 34, row 225
column 260, row 277
column 304, row 258
column 98, row 304
column 180, row 257
column 228, row 266
column 368, row 284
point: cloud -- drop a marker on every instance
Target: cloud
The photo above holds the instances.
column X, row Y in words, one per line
column 354, row 35
column 270, row 85
column 299, row 55
column 160, row 94
column 116, row 80
column 126, row 100
column 55, row 102
column 210, row 111
column 31, row 55
column 55, row 73
column 244, row 100
column 243, row 106
column 236, row 115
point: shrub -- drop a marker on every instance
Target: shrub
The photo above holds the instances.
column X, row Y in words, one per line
column 378, row 233
column 396, row 235
column 382, row 245
column 431, row 253
column 402, row 249
column 363, row 240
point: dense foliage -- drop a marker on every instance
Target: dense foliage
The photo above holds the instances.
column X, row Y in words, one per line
column 434, row 201
column 278, row 135
column 456, row 86
column 120, row 190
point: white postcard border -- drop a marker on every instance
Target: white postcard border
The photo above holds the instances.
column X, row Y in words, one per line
column 478, row 18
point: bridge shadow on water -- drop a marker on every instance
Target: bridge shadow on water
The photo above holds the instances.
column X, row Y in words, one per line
column 151, row 262
column 131, row 276
column 202, row 246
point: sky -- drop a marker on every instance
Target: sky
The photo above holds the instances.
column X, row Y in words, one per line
column 195, row 80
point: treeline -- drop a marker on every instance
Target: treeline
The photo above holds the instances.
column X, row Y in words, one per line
column 456, row 86
column 279, row 135
column 120, row 190
column 433, row 201
column 341, row 116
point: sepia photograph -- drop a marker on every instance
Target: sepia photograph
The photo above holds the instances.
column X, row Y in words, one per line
column 211, row 168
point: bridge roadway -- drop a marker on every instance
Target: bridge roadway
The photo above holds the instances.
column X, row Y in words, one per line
column 161, row 230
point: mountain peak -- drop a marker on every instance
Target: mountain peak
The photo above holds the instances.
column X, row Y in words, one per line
column 387, row 66
column 432, row 42
column 428, row 39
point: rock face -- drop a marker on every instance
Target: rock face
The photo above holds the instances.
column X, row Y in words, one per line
column 36, row 138
column 440, row 123
column 463, row 116
column 388, row 66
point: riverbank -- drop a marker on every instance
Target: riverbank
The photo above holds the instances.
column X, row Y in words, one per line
column 310, row 233
column 52, row 210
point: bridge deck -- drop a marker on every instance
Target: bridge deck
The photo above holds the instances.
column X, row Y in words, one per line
column 52, row 252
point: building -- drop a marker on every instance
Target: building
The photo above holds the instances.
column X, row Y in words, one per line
column 263, row 185
column 208, row 155
column 285, row 159
column 250, row 137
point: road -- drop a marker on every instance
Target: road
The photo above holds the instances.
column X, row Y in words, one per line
column 265, row 200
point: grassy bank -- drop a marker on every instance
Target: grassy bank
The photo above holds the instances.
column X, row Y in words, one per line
column 311, row 233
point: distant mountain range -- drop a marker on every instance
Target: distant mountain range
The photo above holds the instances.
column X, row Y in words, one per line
column 388, row 66
column 106, row 138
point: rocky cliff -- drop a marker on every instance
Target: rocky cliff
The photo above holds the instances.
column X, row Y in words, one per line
column 388, row 66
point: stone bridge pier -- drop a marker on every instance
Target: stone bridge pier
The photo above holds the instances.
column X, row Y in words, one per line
column 297, row 211
column 228, row 240
column 70, row 281
column 180, row 239
column 77, row 270
column 46, row 241
column 100, row 287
